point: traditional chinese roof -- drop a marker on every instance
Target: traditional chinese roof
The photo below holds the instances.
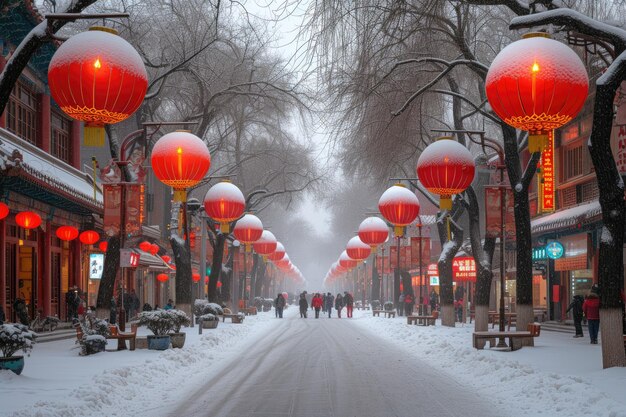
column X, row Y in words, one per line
column 27, row 170
column 580, row 215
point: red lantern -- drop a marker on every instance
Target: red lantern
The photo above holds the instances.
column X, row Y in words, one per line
column 219, row 284
column 283, row 263
column 162, row 277
column 248, row 230
column 180, row 160
column 67, row 233
column 537, row 84
column 97, row 77
column 4, row 211
column 266, row 245
column 154, row 249
column 145, row 246
column 27, row 219
column 89, row 237
column 195, row 277
column 357, row 249
column 278, row 254
column 399, row 206
column 373, row 231
column 224, row 203
column 445, row 167
column 346, row 261
column 192, row 240
column 206, row 279
column 166, row 258
column 103, row 246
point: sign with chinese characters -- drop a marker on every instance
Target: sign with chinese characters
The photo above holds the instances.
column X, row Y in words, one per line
column 383, row 261
column 134, row 206
column 405, row 255
column 112, row 209
column 555, row 250
column 415, row 251
column 493, row 215
column 546, row 178
column 432, row 270
column 96, row 265
column 129, row 258
column 464, row 269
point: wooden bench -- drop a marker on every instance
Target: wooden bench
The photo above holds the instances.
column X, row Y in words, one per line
column 423, row 320
column 376, row 312
column 515, row 338
column 390, row 313
column 234, row 318
column 123, row 336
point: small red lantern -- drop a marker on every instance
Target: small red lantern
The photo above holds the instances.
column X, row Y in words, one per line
column 166, row 258
column 97, row 77
column 357, row 249
column 399, row 206
column 4, row 211
column 278, row 254
column 373, row 231
column 224, row 203
column 346, row 261
column 248, row 230
column 89, row 237
column 219, row 284
column 446, row 167
column 27, row 219
column 67, row 233
column 154, row 249
column 162, row 277
column 266, row 245
column 103, row 246
column 180, row 160
column 145, row 246
column 195, row 277
column 283, row 263
column 537, row 84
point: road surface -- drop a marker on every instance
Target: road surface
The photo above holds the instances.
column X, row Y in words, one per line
column 330, row 368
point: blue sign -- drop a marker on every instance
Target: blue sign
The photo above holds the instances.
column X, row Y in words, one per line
column 539, row 253
column 555, row 250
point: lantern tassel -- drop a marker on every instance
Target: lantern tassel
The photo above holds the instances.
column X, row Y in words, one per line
column 180, row 195
column 537, row 142
column 398, row 230
column 94, row 136
column 445, row 202
column 225, row 228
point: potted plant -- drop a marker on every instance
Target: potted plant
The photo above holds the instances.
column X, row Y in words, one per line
column 209, row 321
column 94, row 334
column 388, row 306
column 375, row 305
column 268, row 303
column 159, row 322
column 179, row 319
column 14, row 337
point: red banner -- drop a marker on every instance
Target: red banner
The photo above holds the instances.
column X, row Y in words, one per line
column 112, row 209
column 380, row 260
column 415, row 251
column 133, row 203
column 546, row 177
column 493, row 215
column 464, row 269
column 405, row 256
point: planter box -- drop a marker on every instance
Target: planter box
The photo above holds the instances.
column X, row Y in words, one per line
column 159, row 342
column 178, row 340
column 209, row 324
column 141, row 343
column 14, row 364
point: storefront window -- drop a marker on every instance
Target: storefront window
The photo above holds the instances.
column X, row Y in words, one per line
column 581, row 282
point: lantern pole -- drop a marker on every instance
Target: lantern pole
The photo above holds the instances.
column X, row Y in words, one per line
column 396, row 274
column 419, row 228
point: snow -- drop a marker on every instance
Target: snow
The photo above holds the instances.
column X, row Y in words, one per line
column 356, row 242
column 373, row 224
column 397, row 194
column 567, row 217
column 184, row 143
column 249, row 221
column 606, row 237
column 453, row 152
column 225, row 191
column 519, row 187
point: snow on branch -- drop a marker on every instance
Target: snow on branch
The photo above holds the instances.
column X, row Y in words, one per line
column 518, row 7
column 574, row 20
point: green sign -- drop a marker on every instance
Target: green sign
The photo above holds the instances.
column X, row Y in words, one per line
column 555, row 250
column 539, row 254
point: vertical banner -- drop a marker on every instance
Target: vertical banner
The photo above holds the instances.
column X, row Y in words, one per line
column 415, row 255
column 133, row 209
column 510, row 214
column 546, row 179
column 492, row 211
column 380, row 260
column 405, row 256
column 112, row 209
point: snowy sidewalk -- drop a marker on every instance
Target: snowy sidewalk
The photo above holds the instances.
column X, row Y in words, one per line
column 58, row 382
column 560, row 376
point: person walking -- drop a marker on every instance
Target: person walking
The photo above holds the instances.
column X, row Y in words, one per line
column 401, row 304
column 324, row 302
column 409, row 302
column 304, row 305
column 348, row 300
column 279, row 305
column 113, row 311
column 434, row 300
column 591, row 308
column 577, row 306
column 317, row 303
column 330, row 302
column 458, row 309
column 338, row 304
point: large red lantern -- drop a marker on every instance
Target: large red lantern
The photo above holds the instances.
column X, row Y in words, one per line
column 180, row 160
column 97, row 77
column 445, row 167
column 266, row 245
column 162, row 277
column 537, row 84
column 373, row 231
column 67, row 233
column 145, row 246
column 89, row 237
column 154, row 249
column 4, row 210
column 346, row 261
column 103, row 246
column 278, row 254
column 357, row 249
column 224, row 203
column 195, row 277
column 28, row 220
column 248, row 230
column 283, row 263
column 399, row 206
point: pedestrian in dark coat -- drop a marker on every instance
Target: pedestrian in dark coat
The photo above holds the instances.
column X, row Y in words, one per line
column 338, row 304
column 577, row 306
column 409, row 302
column 330, row 302
column 591, row 308
column 279, row 304
column 304, row 305
column 401, row 304
column 323, row 302
column 434, row 300
column 348, row 300
column 113, row 311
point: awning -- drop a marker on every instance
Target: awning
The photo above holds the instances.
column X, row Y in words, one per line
column 148, row 260
column 582, row 214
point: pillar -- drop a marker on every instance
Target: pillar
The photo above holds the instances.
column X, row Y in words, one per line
column 44, row 122
column 75, row 139
column 3, row 277
column 46, row 276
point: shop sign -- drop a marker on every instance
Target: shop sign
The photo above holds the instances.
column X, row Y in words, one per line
column 96, row 265
column 539, row 253
column 134, row 206
column 555, row 250
column 129, row 258
column 464, row 269
column 546, row 179
column 434, row 280
column 432, row 270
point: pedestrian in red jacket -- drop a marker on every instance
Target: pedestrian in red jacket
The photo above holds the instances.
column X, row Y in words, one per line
column 591, row 308
column 317, row 304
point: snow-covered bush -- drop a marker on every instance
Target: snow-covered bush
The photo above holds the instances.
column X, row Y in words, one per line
column 159, row 322
column 14, row 337
column 198, row 307
column 258, row 303
column 375, row 305
column 179, row 319
column 208, row 317
column 91, row 344
column 241, row 316
column 388, row 306
column 95, row 332
column 201, row 307
column 268, row 303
